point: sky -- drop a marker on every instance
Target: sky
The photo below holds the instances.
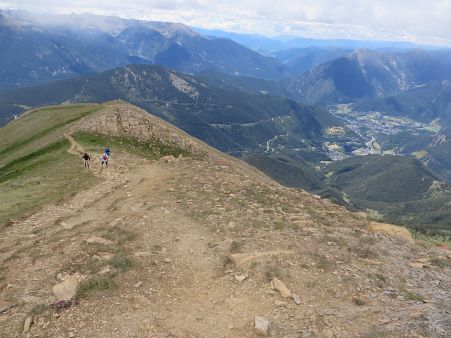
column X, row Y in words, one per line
column 420, row 21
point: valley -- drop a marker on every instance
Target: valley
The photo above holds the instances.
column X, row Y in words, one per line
column 378, row 133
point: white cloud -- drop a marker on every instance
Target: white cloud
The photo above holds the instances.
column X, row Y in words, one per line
column 414, row 20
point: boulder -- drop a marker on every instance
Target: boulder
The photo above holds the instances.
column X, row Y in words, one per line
column 66, row 290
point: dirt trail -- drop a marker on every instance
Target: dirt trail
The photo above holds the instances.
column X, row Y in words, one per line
column 173, row 224
column 75, row 148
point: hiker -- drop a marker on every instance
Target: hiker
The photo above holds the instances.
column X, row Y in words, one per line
column 104, row 159
column 107, row 151
column 87, row 160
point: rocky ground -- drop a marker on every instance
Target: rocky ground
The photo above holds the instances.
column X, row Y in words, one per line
column 210, row 247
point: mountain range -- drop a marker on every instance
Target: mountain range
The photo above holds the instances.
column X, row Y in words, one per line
column 36, row 50
column 227, row 118
column 368, row 74
column 252, row 106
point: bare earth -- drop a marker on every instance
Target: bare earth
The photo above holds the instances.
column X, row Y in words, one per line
column 180, row 222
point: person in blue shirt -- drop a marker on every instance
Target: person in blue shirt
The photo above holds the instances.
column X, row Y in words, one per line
column 107, row 151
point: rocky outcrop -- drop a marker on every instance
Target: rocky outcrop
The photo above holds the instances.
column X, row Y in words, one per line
column 121, row 119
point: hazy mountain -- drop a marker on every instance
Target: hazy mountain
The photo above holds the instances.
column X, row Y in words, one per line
column 368, row 74
column 299, row 60
column 41, row 49
column 279, row 43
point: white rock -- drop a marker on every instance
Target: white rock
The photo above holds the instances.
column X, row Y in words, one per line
column 240, row 278
column 262, row 326
column 296, row 299
column 67, row 289
column 137, row 285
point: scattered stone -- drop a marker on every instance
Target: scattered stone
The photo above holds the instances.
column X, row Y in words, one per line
column 60, row 277
column 66, row 290
column 242, row 258
column 262, row 326
column 240, row 278
column 5, row 308
column 71, row 335
column 296, row 298
column 27, row 324
column 56, row 315
column 98, row 240
column 389, row 229
column 278, row 285
column 391, row 293
column 137, row 285
column 167, row 260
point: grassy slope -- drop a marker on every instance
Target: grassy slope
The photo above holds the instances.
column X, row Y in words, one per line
column 35, row 168
column 398, row 187
column 150, row 149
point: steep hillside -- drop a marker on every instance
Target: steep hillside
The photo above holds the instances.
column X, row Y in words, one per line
column 400, row 188
column 36, row 51
column 229, row 119
column 190, row 246
column 368, row 74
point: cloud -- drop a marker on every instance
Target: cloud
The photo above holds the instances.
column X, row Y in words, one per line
column 414, row 20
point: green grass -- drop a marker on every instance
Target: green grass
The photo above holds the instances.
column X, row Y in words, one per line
column 380, row 277
column 414, row 296
column 121, row 261
column 37, row 309
column 35, row 168
column 271, row 271
column 95, row 284
column 434, row 239
column 152, row 149
column 38, row 129
column 40, row 178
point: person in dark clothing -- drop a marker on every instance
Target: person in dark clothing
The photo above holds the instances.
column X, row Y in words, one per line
column 87, row 160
